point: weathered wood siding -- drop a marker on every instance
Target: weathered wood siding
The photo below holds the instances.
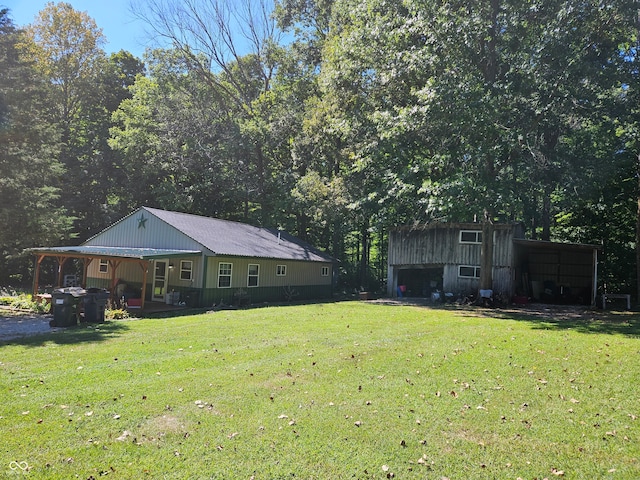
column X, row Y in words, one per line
column 440, row 245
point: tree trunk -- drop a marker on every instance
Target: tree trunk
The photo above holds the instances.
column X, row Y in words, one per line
column 546, row 216
column 364, row 258
column 486, row 254
column 638, row 233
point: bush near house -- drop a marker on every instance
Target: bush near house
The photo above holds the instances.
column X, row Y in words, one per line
column 24, row 302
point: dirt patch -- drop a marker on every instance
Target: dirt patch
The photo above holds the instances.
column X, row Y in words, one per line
column 532, row 310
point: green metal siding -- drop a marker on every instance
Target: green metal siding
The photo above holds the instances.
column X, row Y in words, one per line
column 298, row 273
column 229, row 296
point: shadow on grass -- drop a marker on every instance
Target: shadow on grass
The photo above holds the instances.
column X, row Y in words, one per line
column 578, row 318
column 83, row 333
column 541, row 316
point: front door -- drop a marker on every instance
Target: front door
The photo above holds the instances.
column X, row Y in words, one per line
column 160, row 280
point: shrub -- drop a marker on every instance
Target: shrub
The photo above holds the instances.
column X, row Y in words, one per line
column 24, row 302
column 6, row 300
column 116, row 314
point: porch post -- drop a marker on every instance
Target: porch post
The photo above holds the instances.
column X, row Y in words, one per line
column 61, row 262
column 145, row 267
column 36, row 276
column 114, row 264
column 86, row 261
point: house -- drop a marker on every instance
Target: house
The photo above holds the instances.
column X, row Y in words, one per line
column 447, row 257
column 154, row 255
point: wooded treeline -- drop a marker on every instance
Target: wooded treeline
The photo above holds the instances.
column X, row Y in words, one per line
column 335, row 120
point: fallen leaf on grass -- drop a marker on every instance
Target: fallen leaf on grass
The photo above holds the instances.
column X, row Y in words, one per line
column 124, row 436
column 556, row 472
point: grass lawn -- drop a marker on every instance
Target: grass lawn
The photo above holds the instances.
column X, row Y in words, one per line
column 326, row 391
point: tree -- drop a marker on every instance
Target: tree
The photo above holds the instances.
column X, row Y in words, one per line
column 179, row 148
column 67, row 48
column 231, row 46
column 448, row 109
column 29, row 210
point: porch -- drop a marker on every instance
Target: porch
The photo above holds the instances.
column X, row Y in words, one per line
column 151, row 283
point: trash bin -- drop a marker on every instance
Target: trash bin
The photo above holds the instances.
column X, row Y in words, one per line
column 64, row 304
column 94, row 304
column 191, row 298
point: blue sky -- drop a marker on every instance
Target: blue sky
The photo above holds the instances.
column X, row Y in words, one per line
column 121, row 29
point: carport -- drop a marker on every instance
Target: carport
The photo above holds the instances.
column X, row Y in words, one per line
column 551, row 272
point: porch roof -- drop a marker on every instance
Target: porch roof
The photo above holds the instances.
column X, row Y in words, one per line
column 91, row 251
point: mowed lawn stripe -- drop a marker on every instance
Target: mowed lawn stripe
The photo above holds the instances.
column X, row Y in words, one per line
column 334, row 390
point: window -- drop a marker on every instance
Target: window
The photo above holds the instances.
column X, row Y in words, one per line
column 281, row 270
column 252, row 276
column 468, row 271
column 325, row 271
column 186, row 269
column 224, row 275
column 104, row 266
column 470, row 236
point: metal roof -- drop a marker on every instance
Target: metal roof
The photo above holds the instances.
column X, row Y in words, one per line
column 545, row 244
column 224, row 237
column 120, row 252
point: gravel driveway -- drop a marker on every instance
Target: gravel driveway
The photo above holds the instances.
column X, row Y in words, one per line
column 16, row 324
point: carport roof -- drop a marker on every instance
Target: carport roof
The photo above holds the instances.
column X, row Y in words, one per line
column 544, row 244
column 118, row 252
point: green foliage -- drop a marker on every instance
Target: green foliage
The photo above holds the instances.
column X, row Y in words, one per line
column 376, row 114
column 24, row 302
column 30, row 212
column 116, row 314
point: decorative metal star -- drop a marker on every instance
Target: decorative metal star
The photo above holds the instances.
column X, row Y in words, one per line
column 142, row 222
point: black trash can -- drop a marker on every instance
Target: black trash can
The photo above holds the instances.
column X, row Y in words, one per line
column 94, row 304
column 63, row 304
column 191, row 298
